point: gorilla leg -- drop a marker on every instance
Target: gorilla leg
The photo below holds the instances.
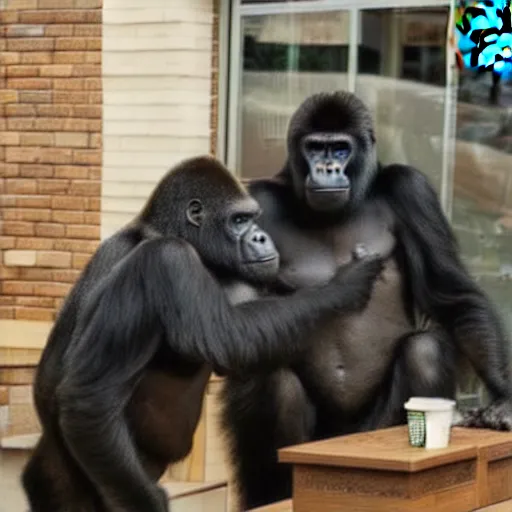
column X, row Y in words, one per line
column 424, row 366
column 281, row 416
column 52, row 481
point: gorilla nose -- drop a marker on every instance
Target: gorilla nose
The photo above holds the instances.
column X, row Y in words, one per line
column 259, row 238
column 258, row 246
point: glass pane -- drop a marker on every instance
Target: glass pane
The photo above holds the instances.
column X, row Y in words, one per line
column 286, row 57
column 402, row 78
column 482, row 203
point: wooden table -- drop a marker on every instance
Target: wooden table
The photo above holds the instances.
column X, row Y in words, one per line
column 379, row 471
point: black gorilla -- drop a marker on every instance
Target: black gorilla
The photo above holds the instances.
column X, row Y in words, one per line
column 425, row 310
column 120, row 384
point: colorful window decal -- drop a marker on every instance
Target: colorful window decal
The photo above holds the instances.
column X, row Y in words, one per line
column 484, row 36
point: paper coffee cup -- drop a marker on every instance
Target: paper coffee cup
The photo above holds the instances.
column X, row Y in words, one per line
column 429, row 421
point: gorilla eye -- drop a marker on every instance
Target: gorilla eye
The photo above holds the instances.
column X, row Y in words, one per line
column 241, row 218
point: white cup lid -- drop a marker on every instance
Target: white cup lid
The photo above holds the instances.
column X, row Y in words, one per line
column 418, row 403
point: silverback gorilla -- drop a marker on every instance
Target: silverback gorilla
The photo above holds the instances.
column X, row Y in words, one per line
column 121, row 381
column 425, row 311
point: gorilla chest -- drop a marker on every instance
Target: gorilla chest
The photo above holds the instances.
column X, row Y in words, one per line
column 351, row 353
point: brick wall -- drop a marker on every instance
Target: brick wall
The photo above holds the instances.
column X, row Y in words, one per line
column 50, row 150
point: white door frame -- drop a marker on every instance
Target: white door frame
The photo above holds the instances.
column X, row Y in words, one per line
column 232, row 143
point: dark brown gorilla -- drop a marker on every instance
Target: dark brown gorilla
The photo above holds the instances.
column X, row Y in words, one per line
column 121, row 381
column 425, row 312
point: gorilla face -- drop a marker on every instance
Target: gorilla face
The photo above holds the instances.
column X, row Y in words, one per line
column 201, row 202
column 235, row 241
column 332, row 154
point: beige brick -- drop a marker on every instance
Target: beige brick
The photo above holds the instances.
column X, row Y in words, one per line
column 88, row 4
column 67, row 217
column 20, row 110
column 9, row 170
column 70, row 97
column 68, row 203
column 4, row 395
column 50, row 230
column 36, row 274
column 92, row 111
column 93, row 218
column 36, row 314
column 19, row 154
column 87, row 156
column 14, row 258
column 20, row 5
column 33, row 202
column 95, row 141
column 10, row 273
column 9, row 58
column 54, row 259
column 29, row 83
column 36, row 58
column 43, row 244
column 93, row 43
column 88, row 31
column 35, row 96
column 20, row 123
column 69, row 84
column 71, row 43
column 80, row 260
column 78, row 16
column 87, row 70
column 15, row 30
column 20, row 395
column 36, row 171
column 49, row 124
column 54, row 110
column 17, row 288
column 72, row 139
column 37, row 44
column 40, row 16
column 85, row 246
column 6, row 313
column 65, row 276
column 8, row 17
column 93, row 57
column 85, row 188
column 7, row 242
column 58, row 31
column 72, row 172
column 17, row 186
column 52, row 289
column 82, row 125
column 22, row 71
column 5, row 300
column 37, row 139
column 80, row 231
column 35, row 302
column 92, row 84
column 53, row 186
column 69, row 57
column 18, row 228
column 57, row 70
column 9, row 138
column 27, row 214
column 56, row 4
column 56, row 156
column 8, row 96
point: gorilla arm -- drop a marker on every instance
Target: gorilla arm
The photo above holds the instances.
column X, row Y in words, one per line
column 443, row 289
column 161, row 292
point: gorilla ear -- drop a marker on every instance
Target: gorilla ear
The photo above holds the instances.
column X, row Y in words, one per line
column 195, row 212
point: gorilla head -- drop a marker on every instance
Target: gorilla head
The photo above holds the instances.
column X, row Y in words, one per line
column 332, row 152
column 201, row 202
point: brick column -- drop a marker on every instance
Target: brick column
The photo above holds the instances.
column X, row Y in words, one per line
column 50, row 150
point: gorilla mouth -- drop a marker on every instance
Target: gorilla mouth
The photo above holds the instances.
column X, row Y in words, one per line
column 262, row 260
column 331, row 190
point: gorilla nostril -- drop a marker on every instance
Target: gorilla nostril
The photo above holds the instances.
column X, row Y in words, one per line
column 329, row 171
column 259, row 239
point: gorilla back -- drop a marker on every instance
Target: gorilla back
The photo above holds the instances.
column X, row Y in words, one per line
column 120, row 384
column 333, row 196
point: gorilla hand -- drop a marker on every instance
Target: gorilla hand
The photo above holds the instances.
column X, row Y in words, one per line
column 497, row 416
column 358, row 278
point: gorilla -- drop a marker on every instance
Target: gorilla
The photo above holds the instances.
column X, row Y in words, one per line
column 120, row 384
column 425, row 315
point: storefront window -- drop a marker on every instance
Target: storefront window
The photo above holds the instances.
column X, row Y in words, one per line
column 455, row 125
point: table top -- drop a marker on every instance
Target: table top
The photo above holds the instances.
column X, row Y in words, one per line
column 389, row 449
